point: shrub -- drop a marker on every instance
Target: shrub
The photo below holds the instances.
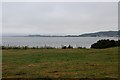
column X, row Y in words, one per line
column 64, row 47
column 105, row 44
column 70, row 47
column 25, row 47
column 3, row 47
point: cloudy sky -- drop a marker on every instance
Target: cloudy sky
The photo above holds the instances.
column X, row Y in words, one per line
column 58, row 17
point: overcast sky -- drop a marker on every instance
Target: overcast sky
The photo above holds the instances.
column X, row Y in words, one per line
column 59, row 17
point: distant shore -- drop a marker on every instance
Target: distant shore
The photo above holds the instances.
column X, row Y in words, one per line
column 95, row 34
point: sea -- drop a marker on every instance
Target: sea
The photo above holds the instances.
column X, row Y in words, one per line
column 56, row 42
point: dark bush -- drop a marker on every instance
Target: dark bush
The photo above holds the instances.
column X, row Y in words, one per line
column 105, row 44
column 25, row 47
column 3, row 47
column 33, row 47
column 70, row 47
column 64, row 47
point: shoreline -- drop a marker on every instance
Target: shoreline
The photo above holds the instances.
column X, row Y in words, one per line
column 42, row 47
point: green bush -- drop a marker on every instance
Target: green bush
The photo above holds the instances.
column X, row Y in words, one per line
column 105, row 44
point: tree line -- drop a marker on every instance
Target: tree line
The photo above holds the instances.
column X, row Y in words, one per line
column 101, row 44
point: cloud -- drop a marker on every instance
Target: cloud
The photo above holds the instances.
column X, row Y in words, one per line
column 59, row 18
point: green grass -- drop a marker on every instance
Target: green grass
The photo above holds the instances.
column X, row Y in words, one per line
column 60, row 63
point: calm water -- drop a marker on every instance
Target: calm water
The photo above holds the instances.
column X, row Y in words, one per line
column 52, row 41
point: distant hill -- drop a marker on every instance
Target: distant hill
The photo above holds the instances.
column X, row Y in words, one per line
column 102, row 34
column 96, row 34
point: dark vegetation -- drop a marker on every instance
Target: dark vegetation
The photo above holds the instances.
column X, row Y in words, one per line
column 44, row 47
column 101, row 44
column 65, row 47
column 26, row 47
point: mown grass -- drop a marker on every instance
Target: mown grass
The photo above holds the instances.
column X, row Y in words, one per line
column 60, row 63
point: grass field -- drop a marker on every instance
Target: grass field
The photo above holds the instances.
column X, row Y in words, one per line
column 60, row 63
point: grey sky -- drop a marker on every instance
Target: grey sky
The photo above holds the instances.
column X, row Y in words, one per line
column 59, row 17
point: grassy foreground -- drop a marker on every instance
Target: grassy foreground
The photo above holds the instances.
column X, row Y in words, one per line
column 60, row 63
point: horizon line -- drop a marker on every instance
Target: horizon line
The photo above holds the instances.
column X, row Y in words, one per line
column 51, row 34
